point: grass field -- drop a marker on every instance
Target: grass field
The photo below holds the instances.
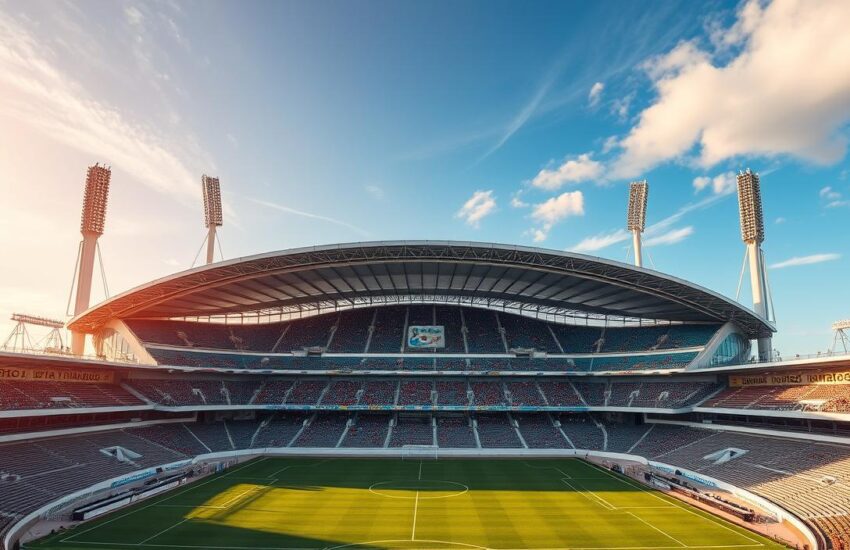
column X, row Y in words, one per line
column 277, row 504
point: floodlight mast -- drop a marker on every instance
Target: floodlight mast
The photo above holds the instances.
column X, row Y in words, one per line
column 91, row 227
column 636, row 218
column 212, row 211
column 752, row 233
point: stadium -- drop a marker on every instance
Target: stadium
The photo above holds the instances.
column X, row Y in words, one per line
column 421, row 394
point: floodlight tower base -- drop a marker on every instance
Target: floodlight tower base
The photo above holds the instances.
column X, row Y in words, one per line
column 211, row 244
column 636, row 243
column 84, row 282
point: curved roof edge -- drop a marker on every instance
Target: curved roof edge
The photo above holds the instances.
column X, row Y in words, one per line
column 650, row 282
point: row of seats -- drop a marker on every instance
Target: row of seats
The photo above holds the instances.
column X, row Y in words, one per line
column 810, row 397
column 427, row 392
column 808, row 478
column 382, row 330
column 600, row 363
column 63, row 395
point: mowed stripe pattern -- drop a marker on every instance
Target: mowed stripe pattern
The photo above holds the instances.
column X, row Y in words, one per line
column 283, row 503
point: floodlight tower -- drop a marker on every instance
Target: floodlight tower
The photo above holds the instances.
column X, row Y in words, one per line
column 91, row 227
column 841, row 337
column 752, row 233
column 636, row 219
column 212, row 211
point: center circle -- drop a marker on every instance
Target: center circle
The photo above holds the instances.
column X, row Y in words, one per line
column 424, row 488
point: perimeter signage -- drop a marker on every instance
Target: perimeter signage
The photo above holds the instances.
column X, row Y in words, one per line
column 57, row 375
column 790, row 379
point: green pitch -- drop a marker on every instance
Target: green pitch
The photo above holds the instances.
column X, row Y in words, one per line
column 311, row 503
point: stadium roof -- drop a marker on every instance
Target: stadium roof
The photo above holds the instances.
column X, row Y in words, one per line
column 534, row 280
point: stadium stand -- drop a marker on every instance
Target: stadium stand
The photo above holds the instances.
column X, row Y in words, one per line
column 352, row 331
column 452, row 392
column 412, row 430
column 367, row 430
column 495, row 431
column 450, row 318
column 388, row 330
column 482, row 331
column 827, row 398
column 46, row 395
column 455, row 432
column 527, row 333
column 539, row 432
column 324, row 430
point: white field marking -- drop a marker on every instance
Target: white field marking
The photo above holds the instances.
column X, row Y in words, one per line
column 416, row 506
column 587, row 494
column 673, row 501
column 374, row 489
column 189, row 487
column 181, row 522
column 228, row 502
column 674, row 539
column 274, row 474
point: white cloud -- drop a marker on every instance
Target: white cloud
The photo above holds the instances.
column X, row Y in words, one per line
column 670, row 237
column 833, row 198
column 133, row 15
column 779, row 220
column 600, row 241
column 480, row 205
column 581, row 168
column 806, row 260
column 550, row 212
column 722, row 184
column 595, row 94
column 786, row 91
column 828, row 193
column 621, row 106
column 517, row 202
column 40, row 96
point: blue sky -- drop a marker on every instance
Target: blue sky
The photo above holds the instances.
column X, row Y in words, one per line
column 346, row 121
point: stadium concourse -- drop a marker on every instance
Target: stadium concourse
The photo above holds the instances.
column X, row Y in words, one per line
column 428, row 350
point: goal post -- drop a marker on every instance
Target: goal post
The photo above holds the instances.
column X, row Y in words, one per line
column 419, row 452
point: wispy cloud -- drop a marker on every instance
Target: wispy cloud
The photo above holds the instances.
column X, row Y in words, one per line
column 670, row 237
column 39, row 95
column 806, row 260
column 480, row 205
column 832, row 198
column 661, row 232
column 595, row 94
column 288, row 210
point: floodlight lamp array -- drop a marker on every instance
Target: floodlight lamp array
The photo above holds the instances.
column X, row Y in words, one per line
column 95, row 199
column 750, row 207
column 638, row 196
column 212, row 201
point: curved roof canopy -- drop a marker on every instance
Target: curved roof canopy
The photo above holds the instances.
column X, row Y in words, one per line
column 531, row 279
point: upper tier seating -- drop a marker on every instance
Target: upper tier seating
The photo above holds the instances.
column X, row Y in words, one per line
column 65, row 395
column 525, row 394
column 482, row 331
column 388, row 335
column 449, row 318
column 352, row 330
column 525, row 332
column 310, row 332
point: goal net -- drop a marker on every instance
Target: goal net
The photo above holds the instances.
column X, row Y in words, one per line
column 419, row 452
